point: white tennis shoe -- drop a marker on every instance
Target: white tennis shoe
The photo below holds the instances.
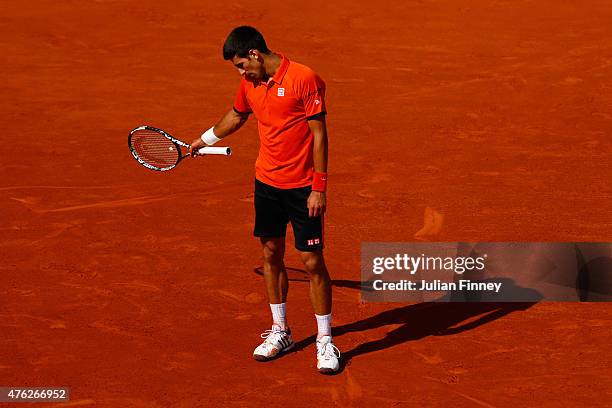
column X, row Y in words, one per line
column 327, row 356
column 276, row 341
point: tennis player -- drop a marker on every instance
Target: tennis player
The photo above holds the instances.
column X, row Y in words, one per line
column 288, row 100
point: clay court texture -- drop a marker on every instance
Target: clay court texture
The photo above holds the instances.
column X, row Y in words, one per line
column 136, row 288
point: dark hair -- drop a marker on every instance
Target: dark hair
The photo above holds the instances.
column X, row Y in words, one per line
column 241, row 40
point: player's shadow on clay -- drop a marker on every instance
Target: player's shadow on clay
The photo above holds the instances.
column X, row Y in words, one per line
column 422, row 320
column 437, row 318
column 419, row 321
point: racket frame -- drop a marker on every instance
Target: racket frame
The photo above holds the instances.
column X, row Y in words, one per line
column 177, row 143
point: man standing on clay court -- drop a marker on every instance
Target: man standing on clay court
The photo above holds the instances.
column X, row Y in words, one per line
column 287, row 99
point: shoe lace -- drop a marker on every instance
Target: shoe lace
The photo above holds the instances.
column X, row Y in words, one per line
column 328, row 349
column 271, row 335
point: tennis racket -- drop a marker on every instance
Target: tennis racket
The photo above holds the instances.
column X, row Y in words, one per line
column 157, row 150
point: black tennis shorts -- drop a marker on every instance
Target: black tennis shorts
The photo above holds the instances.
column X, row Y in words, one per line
column 276, row 207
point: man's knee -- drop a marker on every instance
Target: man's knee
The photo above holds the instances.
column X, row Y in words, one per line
column 273, row 250
column 313, row 262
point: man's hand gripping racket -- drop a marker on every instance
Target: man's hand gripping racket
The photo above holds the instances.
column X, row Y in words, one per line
column 157, row 150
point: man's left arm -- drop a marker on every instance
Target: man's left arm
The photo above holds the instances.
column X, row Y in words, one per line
column 317, row 199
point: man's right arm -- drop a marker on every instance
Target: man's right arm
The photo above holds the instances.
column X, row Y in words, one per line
column 229, row 123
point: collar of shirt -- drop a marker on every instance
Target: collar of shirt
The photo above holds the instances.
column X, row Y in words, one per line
column 279, row 74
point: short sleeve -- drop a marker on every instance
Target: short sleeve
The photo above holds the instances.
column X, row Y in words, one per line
column 241, row 104
column 312, row 94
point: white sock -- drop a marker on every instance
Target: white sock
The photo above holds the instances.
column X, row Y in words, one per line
column 323, row 325
column 279, row 314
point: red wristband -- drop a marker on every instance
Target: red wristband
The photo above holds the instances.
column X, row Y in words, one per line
column 319, row 181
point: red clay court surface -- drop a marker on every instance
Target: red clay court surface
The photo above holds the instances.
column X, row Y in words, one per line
column 136, row 289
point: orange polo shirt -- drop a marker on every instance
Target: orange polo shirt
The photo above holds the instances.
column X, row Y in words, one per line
column 283, row 107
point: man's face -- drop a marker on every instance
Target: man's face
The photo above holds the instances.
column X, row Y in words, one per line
column 251, row 67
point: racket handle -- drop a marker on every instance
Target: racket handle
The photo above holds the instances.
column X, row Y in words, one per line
column 223, row 151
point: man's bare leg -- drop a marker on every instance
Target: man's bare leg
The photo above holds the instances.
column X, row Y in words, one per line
column 321, row 298
column 278, row 339
column 275, row 275
column 320, row 282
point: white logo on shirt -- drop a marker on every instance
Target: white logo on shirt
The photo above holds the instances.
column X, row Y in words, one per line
column 281, row 92
column 317, row 101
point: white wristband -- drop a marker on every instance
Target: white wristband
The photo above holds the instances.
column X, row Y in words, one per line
column 209, row 137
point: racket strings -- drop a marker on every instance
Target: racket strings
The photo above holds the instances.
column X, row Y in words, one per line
column 155, row 149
